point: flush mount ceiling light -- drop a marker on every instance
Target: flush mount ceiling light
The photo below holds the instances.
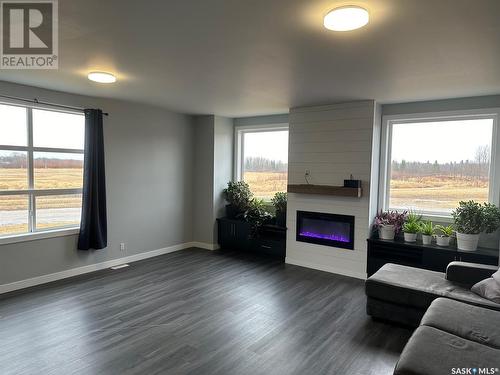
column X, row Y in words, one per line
column 101, row 77
column 346, row 18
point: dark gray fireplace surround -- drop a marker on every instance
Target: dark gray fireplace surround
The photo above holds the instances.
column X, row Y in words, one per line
column 325, row 229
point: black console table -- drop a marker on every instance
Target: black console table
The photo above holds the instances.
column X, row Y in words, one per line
column 430, row 257
column 236, row 235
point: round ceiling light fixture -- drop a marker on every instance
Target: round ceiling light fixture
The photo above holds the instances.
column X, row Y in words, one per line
column 346, row 18
column 101, row 77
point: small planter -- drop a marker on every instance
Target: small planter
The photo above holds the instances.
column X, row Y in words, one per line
column 386, row 232
column 442, row 241
column 231, row 211
column 426, row 239
column 410, row 237
column 467, row 242
column 281, row 219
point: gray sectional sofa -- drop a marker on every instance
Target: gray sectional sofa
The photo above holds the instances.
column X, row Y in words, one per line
column 457, row 329
column 403, row 294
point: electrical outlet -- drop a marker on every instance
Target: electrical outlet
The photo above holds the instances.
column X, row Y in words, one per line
column 307, row 175
column 122, row 246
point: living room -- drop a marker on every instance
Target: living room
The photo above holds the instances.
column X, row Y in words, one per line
column 271, row 187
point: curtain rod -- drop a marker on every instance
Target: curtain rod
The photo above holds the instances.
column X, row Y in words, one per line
column 36, row 101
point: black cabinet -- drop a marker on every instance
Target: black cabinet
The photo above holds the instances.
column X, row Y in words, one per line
column 233, row 234
column 237, row 235
column 431, row 257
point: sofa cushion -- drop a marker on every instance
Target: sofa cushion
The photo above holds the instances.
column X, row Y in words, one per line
column 496, row 276
column 418, row 287
column 469, row 322
column 488, row 289
column 467, row 273
column 385, row 310
column 431, row 351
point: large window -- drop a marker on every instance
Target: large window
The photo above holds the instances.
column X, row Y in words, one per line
column 430, row 163
column 262, row 159
column 41, row 169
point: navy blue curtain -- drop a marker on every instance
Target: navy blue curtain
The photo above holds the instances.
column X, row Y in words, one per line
column 93, row 226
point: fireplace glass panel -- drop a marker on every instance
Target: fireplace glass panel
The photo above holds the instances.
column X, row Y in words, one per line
column 325, row 229
column 328, row 230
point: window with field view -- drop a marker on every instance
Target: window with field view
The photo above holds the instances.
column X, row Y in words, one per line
column 41, row 169
column 436, row 164
column 265, row 161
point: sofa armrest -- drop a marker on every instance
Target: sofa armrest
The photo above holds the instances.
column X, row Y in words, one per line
column 469, row 273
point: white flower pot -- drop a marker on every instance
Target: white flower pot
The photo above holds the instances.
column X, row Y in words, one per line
column 386, row 232
column 467, row 242
column 410, row 237
column 426, row 239
column 442, row 241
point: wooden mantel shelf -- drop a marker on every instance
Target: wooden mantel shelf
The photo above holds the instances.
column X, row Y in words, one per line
column 339, row 191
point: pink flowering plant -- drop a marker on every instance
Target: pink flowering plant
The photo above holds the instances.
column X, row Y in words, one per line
column 390, row 218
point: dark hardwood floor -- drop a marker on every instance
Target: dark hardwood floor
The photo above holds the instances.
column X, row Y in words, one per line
column 197, row 312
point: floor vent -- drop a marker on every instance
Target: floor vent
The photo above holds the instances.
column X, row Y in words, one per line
column 119, row 266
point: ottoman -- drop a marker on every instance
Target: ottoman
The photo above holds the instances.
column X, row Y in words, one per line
column 453, row 335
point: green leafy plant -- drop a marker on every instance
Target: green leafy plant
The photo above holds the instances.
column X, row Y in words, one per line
column 473, row 218
column 444, row 231
column 238, row 195
column 279, row 202
column 256, row 215
column 427, row 228
column 411, row 227
column 413, row 217
column 491, row 216
column 412, row 222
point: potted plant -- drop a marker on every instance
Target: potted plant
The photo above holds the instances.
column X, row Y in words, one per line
column 411, row 229
column 427, row 231
column 443, row 234
column 279, row 203
column 256, row 215
column 472, row 218
column 238, row 196
column 388, row 224
column 411, row 226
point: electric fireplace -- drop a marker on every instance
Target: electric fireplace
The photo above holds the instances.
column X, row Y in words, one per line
column 325, row 229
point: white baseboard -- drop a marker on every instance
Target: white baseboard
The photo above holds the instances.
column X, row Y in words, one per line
column 5, row 288
column 205, row 245
column 322, row 267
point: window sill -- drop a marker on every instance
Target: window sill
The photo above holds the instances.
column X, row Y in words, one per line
column 438, row 218
column 25, row 237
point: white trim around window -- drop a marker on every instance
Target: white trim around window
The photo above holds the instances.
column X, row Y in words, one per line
column 24, row 237
column 31, row 192
column 239, row 134
column 385, row 151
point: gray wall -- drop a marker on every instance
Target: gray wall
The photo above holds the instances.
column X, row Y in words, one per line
column 223, row 163
column 477, row 102
column 149, row 187
column 213, row 168
column 203, row 179
column 262, row 120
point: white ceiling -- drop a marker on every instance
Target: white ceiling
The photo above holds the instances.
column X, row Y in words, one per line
column 251, row 57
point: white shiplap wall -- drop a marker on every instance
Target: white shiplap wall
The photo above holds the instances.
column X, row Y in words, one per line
column 331, row 142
